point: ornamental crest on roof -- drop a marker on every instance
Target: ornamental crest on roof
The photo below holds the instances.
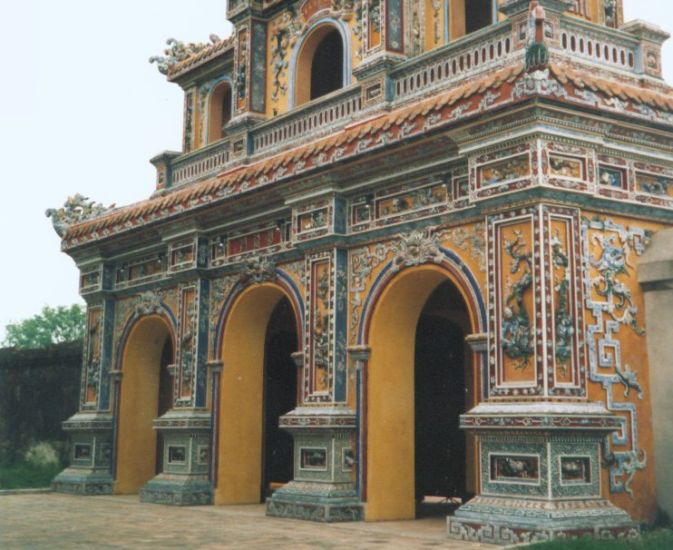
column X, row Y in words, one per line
column 76, row 209
column 179, row 51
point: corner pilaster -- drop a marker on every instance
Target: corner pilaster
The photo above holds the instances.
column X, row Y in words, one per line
column 540, row 440
column 91, row 428
column 186, row 429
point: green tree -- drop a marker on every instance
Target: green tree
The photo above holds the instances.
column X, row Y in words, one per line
column 52, row 326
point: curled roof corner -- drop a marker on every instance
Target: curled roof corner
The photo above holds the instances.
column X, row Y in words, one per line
column 211, row 51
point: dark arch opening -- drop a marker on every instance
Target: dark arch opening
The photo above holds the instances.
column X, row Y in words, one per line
column 280, row 396
column 478, row 14
column 327, row 65
column 440, row 397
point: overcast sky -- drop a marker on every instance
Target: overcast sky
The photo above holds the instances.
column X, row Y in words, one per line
column 82, row 110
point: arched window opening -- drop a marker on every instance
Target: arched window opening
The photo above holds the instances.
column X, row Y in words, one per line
column 320, row 65
column 326, row 69
column 478, row 14
column 219, row 112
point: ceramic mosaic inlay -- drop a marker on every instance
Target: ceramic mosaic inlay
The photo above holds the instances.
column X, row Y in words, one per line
column 526, row 167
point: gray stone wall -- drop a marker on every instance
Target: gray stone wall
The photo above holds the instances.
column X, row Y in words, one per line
column 655, row 274
column 38, row 390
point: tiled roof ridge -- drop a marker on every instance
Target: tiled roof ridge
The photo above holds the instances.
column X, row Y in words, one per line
column 224, row 183
column 208, row 53
column 123, row 215
column 635, row 90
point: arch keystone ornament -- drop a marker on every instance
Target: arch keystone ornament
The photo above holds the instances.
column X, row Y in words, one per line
column 416, row 248
column 257, row 270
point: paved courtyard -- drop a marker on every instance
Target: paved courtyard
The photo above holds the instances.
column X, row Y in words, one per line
column 64, row 521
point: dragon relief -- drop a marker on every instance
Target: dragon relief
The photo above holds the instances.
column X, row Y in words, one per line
column 563, row 319
column 93, row 356
column 517, row 338
column 374, row 15
column 469, row 240
column 607, row 269
column 188, row 346
column 611, row 264
column 77, row 209
column 280, row 40
column 611, row 13
column 363, row 262
column 321, row 329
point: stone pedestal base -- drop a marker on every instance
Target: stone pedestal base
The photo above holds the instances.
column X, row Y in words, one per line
column 300, row 500
column 186, row 452
column 323, row 488
column 516, row 521
column 90, row 455
column 76, row 481
column 540, row 477
column 177, row 490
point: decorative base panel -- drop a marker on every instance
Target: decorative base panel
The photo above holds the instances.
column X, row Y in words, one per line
column 177, row 491
column 326, row 511
column 325, row 503
column 76, row 481
column 505, row 521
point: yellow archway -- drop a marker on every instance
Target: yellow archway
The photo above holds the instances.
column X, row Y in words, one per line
column 390, row 458
column 239, row 469
column 139, row 403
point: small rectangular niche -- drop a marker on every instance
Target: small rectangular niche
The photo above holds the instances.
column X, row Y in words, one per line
column 575, row 470
column 177, row 454
column 82, row 451
column 313, row 459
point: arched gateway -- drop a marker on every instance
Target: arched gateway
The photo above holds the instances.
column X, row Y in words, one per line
column 258, row 384
column 391, row 273
column 420, row 378
column 146, row 393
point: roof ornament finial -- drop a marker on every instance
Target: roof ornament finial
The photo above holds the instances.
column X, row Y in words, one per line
column 76, row 209
column 178, row 51
column 537, row 54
